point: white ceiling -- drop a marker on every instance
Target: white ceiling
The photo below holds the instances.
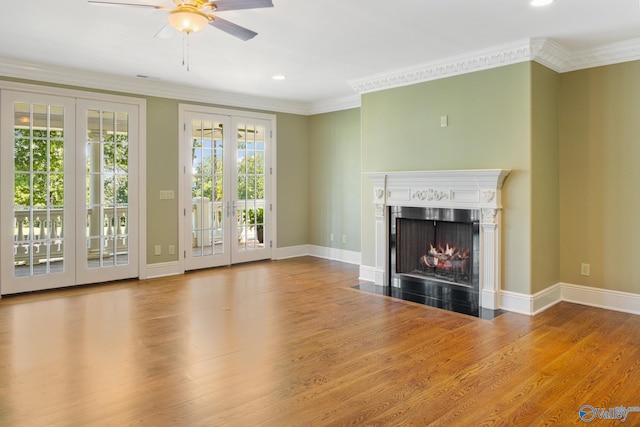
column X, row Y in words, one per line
column 321, row 46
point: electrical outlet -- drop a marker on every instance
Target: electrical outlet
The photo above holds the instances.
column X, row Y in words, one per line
column 585, row 269
column 331, row 237
column 157, row 250
column 344, row 238
column 172, row 250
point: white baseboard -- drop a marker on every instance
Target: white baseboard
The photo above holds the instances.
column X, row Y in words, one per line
column 625, row 302
column 173, row 268
column 350, row 257
column 291, row 252
column 603, row 298
column 531, row 304
column 163, row 269
column 367, row 273
column 334, row 254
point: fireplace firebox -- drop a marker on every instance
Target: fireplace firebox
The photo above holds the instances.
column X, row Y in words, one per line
column 434, row 250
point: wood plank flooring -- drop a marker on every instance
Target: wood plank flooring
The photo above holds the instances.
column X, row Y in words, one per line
column 289, row 343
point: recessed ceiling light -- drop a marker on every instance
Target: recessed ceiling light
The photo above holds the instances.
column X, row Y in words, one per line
column 278, row 77
column 541, row 2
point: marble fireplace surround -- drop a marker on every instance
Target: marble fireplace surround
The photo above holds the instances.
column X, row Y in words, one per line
column 454, row 189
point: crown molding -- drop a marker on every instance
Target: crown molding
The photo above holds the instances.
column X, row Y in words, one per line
column 544, row 51
column 336, row 104
column 613, row 53
column 18, row 69
column 550, row 54
column 498, row 56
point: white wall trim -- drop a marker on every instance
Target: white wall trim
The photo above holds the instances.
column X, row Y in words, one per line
column 334, row 254
column 484, row 59
column 291, row 252
column 14, row 68
column 542, row 50
column 349, row 257
column 530, row 304
column 163, row 269
column 367, row 273
column 336, row 104
column 625, row 302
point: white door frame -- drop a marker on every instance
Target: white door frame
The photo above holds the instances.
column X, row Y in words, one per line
column 182, row 207
column 141, row 104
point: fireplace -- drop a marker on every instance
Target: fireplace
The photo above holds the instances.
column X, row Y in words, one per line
column 434, row 245
column 439, row 228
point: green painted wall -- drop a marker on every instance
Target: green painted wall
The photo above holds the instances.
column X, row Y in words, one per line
column 162, row 174
column 599, row 198
column 489, row 127
column 334, row 179
column 545, row 169
column 293, row 180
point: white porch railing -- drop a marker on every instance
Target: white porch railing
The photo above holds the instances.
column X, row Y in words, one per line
column 33, row 229
column 206, row 217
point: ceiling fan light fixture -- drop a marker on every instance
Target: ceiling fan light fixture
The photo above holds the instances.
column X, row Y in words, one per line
column 188, row 19
column 541, row 2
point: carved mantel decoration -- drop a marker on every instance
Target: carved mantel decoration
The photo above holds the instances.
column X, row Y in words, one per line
column 457, row 189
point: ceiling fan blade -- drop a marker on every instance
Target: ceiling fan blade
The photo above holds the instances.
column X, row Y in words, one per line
column 222, row 5
column 166, row 32
column 233, row 29
column 113, row 3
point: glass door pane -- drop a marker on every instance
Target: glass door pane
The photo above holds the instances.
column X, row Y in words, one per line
column 37, row 198
column 107, row 191
column 251, row 190
column 38, row 191
column 251, row 179
column 107, row 183
column 208, row 237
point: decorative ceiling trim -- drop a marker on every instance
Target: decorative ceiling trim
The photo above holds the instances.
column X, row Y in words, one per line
column 550, row 54
column 147, row 87
column 498, row 56
column 336, row 104
column 614, row 53
column 544, row 51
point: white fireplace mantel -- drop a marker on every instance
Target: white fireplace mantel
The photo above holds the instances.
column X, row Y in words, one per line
column 455, row 189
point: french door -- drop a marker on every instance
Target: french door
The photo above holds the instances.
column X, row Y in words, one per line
column 227, row 187
column 68, row 194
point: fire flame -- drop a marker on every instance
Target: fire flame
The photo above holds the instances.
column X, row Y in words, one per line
column 444, row 258
column 448, row 251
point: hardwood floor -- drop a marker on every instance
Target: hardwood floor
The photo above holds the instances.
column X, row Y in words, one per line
column 288, row 343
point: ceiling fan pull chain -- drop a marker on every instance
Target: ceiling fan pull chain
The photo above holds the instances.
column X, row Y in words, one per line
column 185, row 41
column 188, row 50
column 183, row 49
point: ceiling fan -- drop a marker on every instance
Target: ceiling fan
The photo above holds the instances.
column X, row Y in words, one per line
column 191, row 16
